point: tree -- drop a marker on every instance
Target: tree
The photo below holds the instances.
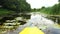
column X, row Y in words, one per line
column 56, row 9
column 58, row 0
column 43, row 7
column 15, row 5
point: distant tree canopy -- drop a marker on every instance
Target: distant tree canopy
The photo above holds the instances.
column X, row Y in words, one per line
column 43, row 7
column 58, row 0
column 53, row 10
column 15, row 5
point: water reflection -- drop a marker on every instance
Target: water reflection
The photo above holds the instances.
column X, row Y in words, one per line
column 40, row 21
column 52, row 30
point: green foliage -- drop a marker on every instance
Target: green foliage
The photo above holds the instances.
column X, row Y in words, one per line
column 56, row 9
column 5, row 12
column 46, row 10
column 15, row 5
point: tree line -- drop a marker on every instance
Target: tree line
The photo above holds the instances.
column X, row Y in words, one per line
column 53, row 10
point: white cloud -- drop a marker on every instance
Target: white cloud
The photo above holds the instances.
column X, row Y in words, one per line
column 40, row 3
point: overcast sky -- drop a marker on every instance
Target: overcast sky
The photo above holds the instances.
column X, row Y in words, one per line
column 40, row 3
